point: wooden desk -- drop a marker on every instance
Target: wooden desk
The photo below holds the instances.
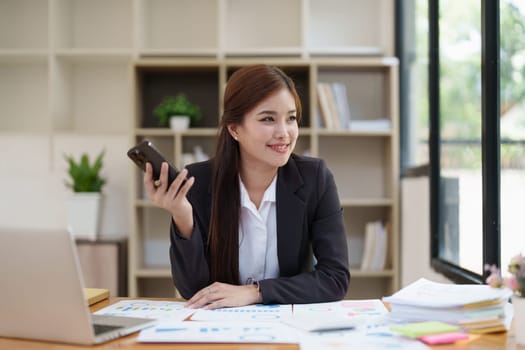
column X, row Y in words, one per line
column 502, row 341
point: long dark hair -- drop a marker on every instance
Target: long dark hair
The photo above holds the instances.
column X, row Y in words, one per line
column 246, row 88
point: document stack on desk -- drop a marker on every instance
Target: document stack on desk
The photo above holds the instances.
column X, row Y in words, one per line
column 476, row 308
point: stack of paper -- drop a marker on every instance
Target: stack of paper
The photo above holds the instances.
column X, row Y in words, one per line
column 476, row 308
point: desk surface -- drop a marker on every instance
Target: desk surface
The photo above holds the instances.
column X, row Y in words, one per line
column 500, row 341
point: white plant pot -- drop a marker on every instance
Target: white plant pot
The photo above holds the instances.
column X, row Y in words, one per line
column 179, row 122
column 83, row 214
column 519, row 318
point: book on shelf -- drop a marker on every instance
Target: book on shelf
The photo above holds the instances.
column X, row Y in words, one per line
column 333, row 105
column 342, row 104
column 475, row 308
column 375, row 246
column 324, row 108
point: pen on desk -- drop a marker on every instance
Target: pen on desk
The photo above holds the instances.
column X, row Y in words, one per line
column 333, row 329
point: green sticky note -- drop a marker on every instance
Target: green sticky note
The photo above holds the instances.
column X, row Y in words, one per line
column 418, row 329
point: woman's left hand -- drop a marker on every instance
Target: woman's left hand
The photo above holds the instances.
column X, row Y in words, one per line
column 218, row 295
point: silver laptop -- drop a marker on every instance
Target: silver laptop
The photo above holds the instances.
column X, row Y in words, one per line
column 41, row 292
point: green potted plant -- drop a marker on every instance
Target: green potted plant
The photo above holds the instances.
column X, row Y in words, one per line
column 84, row 175
column 178, row 112
column 83, row 206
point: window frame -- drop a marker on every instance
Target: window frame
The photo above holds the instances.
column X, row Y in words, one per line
column 490, row 144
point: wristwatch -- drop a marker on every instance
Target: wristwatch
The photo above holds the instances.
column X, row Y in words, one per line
column 251, row 280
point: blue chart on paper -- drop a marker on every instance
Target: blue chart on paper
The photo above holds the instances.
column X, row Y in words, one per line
column 257, row 312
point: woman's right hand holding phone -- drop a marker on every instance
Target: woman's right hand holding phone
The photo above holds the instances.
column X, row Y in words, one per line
column 172, row 199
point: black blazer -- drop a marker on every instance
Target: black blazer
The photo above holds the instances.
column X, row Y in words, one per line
column 309, row 217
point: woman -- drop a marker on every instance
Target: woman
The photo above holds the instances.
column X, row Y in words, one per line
column 245, row 222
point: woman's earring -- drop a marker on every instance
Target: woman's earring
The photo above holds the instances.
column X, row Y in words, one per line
column 236, row 138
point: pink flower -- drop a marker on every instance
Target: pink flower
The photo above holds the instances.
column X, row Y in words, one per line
column 494, row 280
column 515, row 281
column 512, row 283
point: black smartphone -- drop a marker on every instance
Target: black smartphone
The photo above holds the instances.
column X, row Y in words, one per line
column 146, row 152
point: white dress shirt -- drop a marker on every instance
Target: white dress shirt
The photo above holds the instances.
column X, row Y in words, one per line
column 258, row 236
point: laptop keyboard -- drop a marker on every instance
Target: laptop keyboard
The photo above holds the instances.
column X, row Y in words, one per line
column 103, row 328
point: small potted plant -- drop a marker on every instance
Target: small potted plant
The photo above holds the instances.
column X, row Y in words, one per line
column 83, row 206
column 178, row 112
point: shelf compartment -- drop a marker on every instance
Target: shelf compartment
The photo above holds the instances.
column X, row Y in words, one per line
column 360, row 167
column 160, row 287
column 24, row 101
column 24, row 24
column 357, row 27
column 154, row 243
column 355, row 224
column 248, row 28
column 189, row 149
column 366, row 88
column 357, row 273
column 367, row 286
column 91, row 96
column 193, row 31
column 94, row 24
column 199, row 83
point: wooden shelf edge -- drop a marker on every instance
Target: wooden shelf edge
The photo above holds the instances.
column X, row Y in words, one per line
column 153, row 273
column 371, row 274
column 367, row 202
column 171, row 133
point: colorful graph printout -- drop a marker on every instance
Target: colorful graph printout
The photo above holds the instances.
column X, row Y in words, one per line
column 253, row 313
column 341, row 315
column 161, row 310
column 345, row 308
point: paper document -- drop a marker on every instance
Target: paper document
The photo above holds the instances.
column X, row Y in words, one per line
column 380, row 339
column 214, row 332
column 161, row 310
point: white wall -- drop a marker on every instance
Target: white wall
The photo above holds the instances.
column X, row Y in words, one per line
column 415, row 231
column 34, row 170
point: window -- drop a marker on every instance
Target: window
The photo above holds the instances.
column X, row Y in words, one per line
column 512, row 127
column 412, row 48
column 477, row 134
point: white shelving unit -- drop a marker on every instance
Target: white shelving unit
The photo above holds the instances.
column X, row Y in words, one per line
column 358, row 27
column 71, row 68
column 365, row 163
